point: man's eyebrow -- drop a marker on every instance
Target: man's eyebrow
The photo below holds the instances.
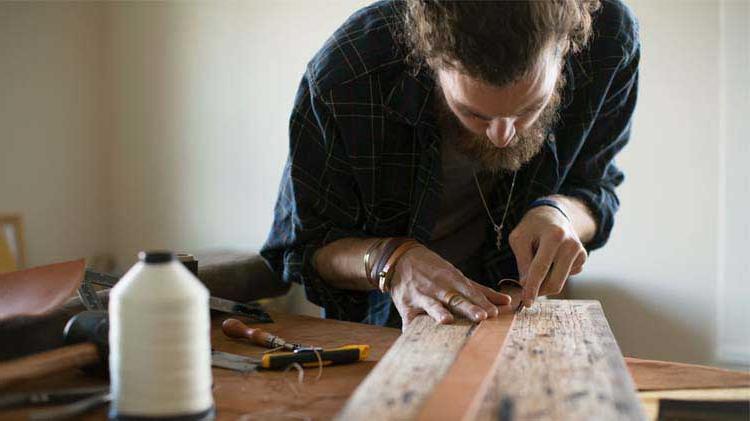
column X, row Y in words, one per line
column 465, row 108
column 533, row 106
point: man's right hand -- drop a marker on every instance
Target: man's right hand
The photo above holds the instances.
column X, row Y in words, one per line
column 423, row 282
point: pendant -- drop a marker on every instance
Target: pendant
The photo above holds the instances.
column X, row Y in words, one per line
column 499, row 238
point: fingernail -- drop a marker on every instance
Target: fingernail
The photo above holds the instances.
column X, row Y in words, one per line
column 480, row 315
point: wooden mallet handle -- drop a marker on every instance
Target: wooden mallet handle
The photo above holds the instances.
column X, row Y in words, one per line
column 46, row 363
column 234, row 328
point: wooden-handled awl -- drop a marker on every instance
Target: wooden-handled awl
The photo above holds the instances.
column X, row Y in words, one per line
column 234, row 328
column 87, row 332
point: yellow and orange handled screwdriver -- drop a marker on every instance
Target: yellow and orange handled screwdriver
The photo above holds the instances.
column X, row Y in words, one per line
column 307, row 356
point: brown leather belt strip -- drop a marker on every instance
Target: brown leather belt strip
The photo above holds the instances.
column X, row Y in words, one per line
column 458, row 395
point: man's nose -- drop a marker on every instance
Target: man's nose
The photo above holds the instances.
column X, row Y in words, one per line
column 500, row 131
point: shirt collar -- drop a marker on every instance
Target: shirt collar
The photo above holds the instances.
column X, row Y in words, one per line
column 410, row 100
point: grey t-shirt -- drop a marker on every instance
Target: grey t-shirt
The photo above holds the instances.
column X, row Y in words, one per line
column 461, row 225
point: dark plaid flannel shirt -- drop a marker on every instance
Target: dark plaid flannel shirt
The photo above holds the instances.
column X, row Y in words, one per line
column 364, row 151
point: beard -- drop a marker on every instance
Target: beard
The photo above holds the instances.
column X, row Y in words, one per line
column 524, row 146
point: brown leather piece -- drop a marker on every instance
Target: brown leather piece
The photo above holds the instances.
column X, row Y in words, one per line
column 458, row 395
column 37, row 291
column 665, row 375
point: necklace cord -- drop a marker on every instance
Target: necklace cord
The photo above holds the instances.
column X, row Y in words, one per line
column 498, row 228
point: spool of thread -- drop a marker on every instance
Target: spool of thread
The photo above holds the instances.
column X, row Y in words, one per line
column 160, row 349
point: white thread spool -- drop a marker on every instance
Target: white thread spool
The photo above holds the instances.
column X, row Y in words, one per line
column 160, row 342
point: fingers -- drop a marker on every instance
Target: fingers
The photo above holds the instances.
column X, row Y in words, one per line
column 539, row 268
column 495, row 297
column 469, row 290
column 579, row 262
column 468, row 309
column 436, row 310
column 408, row 315
column 554, row 283
column 522, row 249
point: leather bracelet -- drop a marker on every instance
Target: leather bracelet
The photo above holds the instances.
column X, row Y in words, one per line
column 548, row 202
column 391, row 244
column 366, row 260
column 386, row 274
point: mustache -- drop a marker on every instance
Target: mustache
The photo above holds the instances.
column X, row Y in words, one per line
column 526, row 144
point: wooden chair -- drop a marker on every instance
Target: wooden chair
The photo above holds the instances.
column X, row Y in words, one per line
column 12, row 246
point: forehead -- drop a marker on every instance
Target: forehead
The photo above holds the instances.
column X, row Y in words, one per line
column 507, row 100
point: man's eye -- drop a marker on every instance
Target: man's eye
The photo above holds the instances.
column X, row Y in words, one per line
column 476, row 117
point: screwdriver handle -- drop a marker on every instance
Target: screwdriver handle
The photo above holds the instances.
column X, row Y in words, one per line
column 234, row 328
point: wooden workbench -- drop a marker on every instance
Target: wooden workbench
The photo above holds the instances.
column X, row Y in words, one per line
column 278, row 395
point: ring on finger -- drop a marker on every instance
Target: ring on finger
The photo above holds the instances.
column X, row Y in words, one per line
column 453, row 299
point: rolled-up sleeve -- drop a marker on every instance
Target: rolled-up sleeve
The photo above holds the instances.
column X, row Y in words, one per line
column 317, row 204
column 594, row 175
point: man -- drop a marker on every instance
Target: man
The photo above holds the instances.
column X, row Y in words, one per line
column 437, row 147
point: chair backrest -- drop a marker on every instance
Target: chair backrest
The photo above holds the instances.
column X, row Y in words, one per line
column 11, row 243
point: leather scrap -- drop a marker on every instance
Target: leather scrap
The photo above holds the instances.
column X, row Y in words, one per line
column 665, row 375
column 39, row 290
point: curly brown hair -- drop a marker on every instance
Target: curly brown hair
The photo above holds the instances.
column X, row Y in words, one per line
column 494, row 41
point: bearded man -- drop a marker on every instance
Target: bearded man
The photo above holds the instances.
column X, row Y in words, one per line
column 437, row 147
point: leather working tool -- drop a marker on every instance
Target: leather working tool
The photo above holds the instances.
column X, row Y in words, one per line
column 72, row 410
column 304, row 355
column 86, row 333
column 52, row 397
column 235, row 329
column 91, row 301
column 69, row 402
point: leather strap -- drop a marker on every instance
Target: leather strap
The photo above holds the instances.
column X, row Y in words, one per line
column 366, row 258
column 458, row 396
column 390, row 246
column 386, row 274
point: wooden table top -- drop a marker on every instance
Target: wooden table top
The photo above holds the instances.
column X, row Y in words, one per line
column 278, row 395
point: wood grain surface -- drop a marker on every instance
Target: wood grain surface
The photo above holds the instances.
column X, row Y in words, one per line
column 399, row 385
column 561, row 362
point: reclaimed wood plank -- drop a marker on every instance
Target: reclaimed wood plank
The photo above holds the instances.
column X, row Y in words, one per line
column 459, row 394
column 396, row 387
column 561, row 362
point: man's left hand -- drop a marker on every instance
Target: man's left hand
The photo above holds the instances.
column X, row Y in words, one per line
column 547, row 250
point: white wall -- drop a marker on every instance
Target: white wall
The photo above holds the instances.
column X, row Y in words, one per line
column 733, row 289
column 658, row 276
column 190, row 117
column 203, row 94
column 52, row 139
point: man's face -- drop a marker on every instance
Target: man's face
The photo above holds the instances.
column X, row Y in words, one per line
column 502, row 127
